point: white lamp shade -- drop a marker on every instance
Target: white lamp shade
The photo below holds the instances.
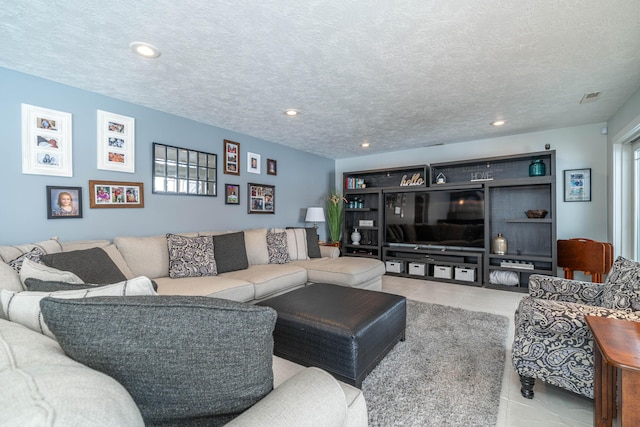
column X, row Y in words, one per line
column 315, row 214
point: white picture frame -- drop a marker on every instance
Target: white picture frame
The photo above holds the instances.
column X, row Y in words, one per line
column 116, row 142
column 253, row 163
column 47, row 144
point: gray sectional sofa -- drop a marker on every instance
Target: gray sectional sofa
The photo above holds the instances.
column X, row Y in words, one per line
column 49, row 388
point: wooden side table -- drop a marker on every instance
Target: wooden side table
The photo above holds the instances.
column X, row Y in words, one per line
column 617, row 346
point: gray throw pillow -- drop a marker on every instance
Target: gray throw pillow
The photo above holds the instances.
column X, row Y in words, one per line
column 91, row 265
column 622, row 287
column 182, row 359
column 191, row 256
column 230, row 252
column 36, row 285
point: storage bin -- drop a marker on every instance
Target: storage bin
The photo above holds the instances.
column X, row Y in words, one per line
column 417, row 268
column 465, row 274
column 395, row 266
column 442, row 271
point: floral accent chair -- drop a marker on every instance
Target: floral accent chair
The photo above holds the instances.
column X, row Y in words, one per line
column 552, row 341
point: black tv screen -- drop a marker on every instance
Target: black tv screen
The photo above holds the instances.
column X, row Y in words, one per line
column 440, row 218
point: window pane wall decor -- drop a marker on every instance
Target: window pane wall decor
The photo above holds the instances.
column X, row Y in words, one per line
column 183, row 171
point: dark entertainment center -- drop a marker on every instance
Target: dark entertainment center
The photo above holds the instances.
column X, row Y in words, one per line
column 439, row 221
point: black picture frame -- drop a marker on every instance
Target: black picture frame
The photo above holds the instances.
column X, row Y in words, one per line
column 577, row 185
column 272, row 167
column 261, row 198
column 231, row 194
column 55, row 196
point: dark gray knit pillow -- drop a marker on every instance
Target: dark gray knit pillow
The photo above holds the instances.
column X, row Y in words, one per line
column 36, row 285
column 182, row 359
column 230, row 252
column 191, row 256
column 91, row 265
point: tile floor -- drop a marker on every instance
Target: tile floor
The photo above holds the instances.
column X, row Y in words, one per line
column 551, row 406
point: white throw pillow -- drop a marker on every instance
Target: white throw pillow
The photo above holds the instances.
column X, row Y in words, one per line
column 255, row 241
column 297, row 243
column 24, row 307
column 43, row 272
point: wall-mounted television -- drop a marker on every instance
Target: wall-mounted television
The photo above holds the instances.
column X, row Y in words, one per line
column 451, row 219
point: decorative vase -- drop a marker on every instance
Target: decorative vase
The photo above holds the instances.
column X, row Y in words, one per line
column 500, row 244
column 355, row 237
column 536, row 168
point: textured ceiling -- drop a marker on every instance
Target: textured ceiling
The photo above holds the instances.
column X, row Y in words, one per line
column 399, row 75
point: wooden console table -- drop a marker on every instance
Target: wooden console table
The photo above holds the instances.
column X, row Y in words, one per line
column 616, row 346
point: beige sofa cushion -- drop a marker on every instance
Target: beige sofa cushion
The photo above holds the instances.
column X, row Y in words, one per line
column 8, row 253
column 344, row 271
column 255, row 241
column 271, row 279
column 48, row 388
column 146, row 256
column 208, row 286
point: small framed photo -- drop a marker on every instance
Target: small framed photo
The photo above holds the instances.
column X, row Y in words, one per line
column 64, row 202
column 231, row 157
column 116, row 194
column 577, row 185
column 261, row 198
column 253, row 163
column 231, row 194
column 116, row 142
column 272, row 167
column 46, row 142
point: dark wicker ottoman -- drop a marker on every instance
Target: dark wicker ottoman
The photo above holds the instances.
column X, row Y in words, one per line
column 345, row 331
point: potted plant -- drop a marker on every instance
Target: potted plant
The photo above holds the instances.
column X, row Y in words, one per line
column 334, row 215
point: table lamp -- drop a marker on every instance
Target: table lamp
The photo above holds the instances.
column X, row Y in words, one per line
column 315, row 215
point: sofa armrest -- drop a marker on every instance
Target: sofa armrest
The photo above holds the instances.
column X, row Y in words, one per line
column 329, row 251
column 310, row 398
column 565, row 318
column 558, row 289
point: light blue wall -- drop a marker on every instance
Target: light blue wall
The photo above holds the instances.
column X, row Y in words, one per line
column 576, row 148
column 303, row 179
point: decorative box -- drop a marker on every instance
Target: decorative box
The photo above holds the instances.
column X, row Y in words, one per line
column 442, row 271
column 417, row 268
column 465, row 274
column 395, row 266
column 365, row 223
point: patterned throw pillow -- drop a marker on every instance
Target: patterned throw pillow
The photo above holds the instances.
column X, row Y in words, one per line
column 622, row 287
column 191, row 256
column 278, row 248
column 33, row 255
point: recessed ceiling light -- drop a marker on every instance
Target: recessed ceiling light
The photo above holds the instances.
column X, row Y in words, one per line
column 145, row 49
column 291, row 112
column 498, row 123
column 365, row 145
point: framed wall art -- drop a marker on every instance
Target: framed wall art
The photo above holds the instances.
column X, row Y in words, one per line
column 231, row 194
column 116, row 142
column 64, row 202
column 272, row 167
column 231, row 157
column 577, row 185
column 261, row 198
column 253, row 163
column 47, row 146
column 116, row 194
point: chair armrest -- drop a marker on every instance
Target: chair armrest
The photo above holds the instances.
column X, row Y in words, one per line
column 310, row 398
column 329, row 251
column 565, row 318
column 558, row 289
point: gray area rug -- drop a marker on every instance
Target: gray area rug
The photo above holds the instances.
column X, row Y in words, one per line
column 448, row 372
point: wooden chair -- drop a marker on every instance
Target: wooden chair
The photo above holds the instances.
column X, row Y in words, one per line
column 591, row 257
